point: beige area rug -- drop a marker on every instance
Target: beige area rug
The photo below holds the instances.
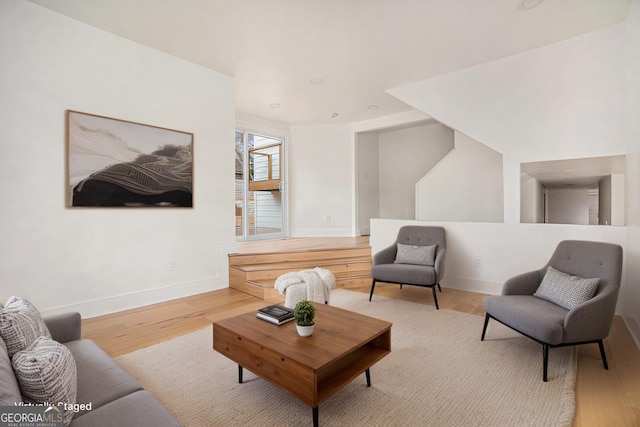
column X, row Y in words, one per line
column 438, row 373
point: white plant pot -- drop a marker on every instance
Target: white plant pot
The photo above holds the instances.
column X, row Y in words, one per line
column 304, row 331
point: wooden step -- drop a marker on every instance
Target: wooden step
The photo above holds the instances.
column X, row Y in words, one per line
column 308, row 255
column 268, row 272
column 342, row 281
column 263, row 272
column 301, row 264
column 266, row 291
column 255, row 273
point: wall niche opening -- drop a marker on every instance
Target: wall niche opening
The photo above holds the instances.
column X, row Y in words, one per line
column 588, row 191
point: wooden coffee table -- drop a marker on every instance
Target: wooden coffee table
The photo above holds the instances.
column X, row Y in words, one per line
column 344, row 344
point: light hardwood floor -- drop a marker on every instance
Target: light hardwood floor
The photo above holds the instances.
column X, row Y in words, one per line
column 604, row 398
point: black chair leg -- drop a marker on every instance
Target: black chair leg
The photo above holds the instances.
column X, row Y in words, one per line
column 545, row 361
column 486, row 323
column 373, row 285
column 603, row 355
column 435, row 296
column 439, row 288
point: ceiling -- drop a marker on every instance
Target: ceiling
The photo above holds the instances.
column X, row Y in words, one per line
column 332, row 61
column 577, row 173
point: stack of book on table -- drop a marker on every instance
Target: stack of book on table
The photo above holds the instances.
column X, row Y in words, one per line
column 277, row 314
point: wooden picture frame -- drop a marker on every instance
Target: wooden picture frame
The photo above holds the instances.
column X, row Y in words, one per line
column 118, row 163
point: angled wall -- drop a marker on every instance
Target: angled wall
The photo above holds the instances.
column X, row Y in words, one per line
column 465, row 186
column 564, row 100
column 406, row 155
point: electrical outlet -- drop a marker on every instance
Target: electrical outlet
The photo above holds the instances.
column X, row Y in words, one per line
column 477, row 262
column 328, row 218
column 172, row 266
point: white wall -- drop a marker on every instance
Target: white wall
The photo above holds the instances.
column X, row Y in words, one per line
column 531, row 199
column 501, row 250
column 604, row 201
column 612, row 200
column 569, row 206
column 631, row 291
column 465, row 186
column 368, row 180
column 618, row 216
column 104, row 260
column 321, row 180
column 406, row 155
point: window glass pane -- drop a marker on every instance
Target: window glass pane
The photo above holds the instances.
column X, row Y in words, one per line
column 258, row 170
column 239, row 182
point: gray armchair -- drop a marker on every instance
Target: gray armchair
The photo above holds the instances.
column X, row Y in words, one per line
column 419, row 261
column 575, row 323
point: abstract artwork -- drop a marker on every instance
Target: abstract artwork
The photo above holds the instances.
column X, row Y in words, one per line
column 116, row 163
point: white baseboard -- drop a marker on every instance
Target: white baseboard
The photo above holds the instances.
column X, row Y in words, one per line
column 322, row 232
column 470, row 284
column 118, row 303
column 634, row 329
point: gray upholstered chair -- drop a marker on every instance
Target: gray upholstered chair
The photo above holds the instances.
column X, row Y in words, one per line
column 416, row 258
column 567, row 320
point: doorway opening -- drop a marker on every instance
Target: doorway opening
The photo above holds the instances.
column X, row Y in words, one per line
column 260, row 201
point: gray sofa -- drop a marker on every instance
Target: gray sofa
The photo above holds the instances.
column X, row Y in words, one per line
column 116, row 398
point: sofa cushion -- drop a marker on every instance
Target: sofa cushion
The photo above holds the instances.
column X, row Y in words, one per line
column 9, row 390
column 418, row 255
column 100, row 379
column 20, row 325
column 564, row 289
column 409, row 274
column 46, row 373
column 138, row 409
column 535, row 317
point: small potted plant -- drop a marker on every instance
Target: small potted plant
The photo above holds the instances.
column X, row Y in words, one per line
column 304, row 314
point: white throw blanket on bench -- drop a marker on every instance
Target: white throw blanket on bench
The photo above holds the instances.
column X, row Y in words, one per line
column 313, row 285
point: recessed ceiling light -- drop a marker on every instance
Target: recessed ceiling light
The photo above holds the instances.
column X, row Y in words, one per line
column 275, row 105
column 529, row 4
column 372, row 107
column 316, row 81
column 334, row 114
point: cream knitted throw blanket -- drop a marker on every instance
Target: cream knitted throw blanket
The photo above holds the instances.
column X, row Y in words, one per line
column 313, row 285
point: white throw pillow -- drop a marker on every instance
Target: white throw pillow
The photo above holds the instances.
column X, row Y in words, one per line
column 418, row 255
column 46, row 372
column 564, row 289
column 20, row 325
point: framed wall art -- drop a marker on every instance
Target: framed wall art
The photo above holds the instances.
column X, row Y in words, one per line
column 117, row 163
